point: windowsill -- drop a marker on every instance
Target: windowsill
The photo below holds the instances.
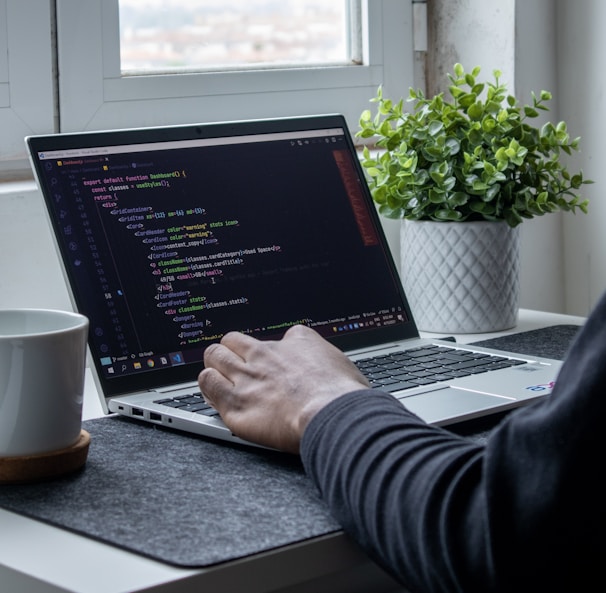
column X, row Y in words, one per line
column 13, row 187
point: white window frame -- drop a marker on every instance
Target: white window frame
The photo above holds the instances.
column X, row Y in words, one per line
column 26, row 80
column 95, row 95
column 77, row 84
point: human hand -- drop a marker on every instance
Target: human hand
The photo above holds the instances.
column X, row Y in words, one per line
column 268, row 391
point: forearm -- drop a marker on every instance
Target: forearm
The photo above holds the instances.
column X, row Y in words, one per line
column 409, row 493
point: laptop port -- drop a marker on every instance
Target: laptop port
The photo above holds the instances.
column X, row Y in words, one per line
column 137, row 412
column 155, row 416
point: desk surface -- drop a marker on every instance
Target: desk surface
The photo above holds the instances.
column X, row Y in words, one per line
column 35, row 557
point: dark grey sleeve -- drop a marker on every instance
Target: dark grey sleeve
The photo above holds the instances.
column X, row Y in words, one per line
column 404, row 490
column 525, row 512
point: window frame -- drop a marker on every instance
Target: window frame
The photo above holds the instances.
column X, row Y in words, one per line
column 26, row 80
column 60, row 72
column 114, row 100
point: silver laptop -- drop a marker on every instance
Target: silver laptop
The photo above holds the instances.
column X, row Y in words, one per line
column 170, row 237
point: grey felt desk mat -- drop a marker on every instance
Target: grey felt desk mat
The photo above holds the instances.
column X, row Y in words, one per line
column 178, row 498
column 548, row 342
column 194, row 502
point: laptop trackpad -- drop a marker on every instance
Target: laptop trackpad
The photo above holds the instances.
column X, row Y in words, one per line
column 451, row 404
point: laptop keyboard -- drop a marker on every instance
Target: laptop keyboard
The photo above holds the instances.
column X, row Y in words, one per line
column 427, row 364
column 191, row 402
column 396, row 371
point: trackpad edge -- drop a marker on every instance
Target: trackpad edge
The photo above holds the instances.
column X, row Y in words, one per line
column 448, row 405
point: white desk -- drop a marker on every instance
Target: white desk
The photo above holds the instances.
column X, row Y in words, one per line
column 39, row 558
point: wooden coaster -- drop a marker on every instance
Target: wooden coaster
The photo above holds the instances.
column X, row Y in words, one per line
column 33, row 468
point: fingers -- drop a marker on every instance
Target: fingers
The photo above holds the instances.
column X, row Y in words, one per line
column 237, row 342
column 214, row 386
column 215, row 380
column 219, row 355
column 235, row 349
column 226, row 367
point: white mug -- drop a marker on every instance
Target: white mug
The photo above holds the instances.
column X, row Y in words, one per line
column 42, row 364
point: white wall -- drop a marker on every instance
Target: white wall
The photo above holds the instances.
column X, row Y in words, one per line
column 542, row 275
column 474, row 33
column 581, row 47
column 30, row 275
column 560, row 47
column 516, row 38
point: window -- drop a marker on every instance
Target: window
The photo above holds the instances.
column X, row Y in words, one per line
column 92, row 91
column 159, row 36
column 26, row 96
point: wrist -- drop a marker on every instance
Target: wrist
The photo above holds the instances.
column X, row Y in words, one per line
column 319, row 402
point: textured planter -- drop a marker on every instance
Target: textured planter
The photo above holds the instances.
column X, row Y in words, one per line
column 461, row 277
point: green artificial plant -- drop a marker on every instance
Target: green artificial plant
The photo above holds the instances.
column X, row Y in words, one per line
column 475, row 157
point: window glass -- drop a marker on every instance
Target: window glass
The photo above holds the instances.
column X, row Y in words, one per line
column 170, row 35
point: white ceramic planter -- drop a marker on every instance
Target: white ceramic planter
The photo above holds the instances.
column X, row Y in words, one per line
column 461, row 277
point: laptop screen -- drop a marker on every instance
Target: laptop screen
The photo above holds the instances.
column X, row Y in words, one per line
column 172, row 237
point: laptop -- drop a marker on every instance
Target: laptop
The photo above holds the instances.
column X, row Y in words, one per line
column 172, row 236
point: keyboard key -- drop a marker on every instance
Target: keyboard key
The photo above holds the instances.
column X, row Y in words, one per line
column 193, row 402
column 420, row 381
column 208, row 412
column 399, row 386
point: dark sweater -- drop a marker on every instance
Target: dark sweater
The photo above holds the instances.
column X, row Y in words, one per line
column 524, row 512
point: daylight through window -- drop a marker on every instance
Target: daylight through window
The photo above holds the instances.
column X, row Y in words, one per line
column 176, row 35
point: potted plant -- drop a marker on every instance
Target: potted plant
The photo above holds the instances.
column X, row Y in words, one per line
column 473, row 159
